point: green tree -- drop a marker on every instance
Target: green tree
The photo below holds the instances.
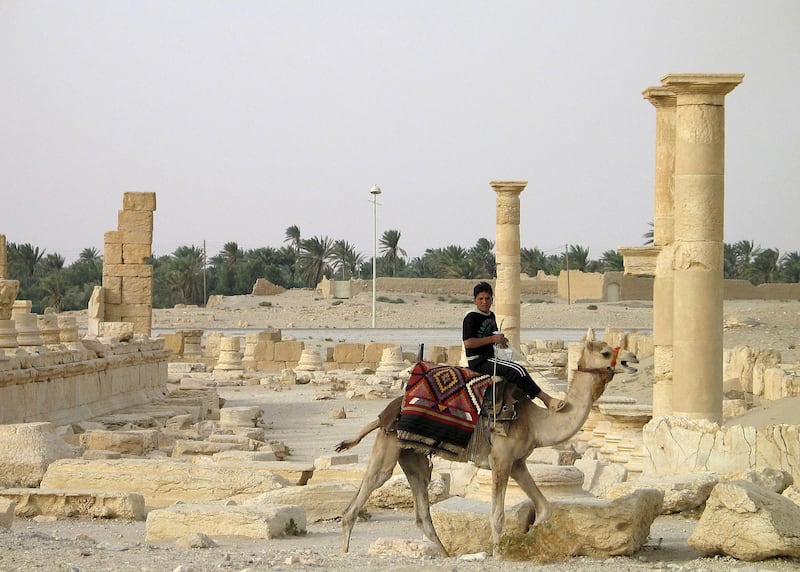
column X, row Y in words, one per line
column 390, row 248
column 790, row 267
column 611, row 261
column 314, row 260
column 293, row 237
column 764, row 267
column 184, row 275
column 578, row 257
column 532, row 260
column 345, row 259
column 482, row 256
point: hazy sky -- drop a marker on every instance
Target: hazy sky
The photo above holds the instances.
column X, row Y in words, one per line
column 247, row 117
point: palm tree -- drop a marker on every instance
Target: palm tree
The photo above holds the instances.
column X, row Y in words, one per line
column 611, row 261
column 649, row 236
column 53, row 262
column 790, row 267
column 185, row 269
column 764, row 267
column 314, row 260
column 53, row 289
column 390, row 248
column 226, row 264
column 745, row 251
column 23, row 259
column 345, row 259
column 578, row 257
column 293, row 237
column 532, row 260
column 482, row 254
column 90, row 254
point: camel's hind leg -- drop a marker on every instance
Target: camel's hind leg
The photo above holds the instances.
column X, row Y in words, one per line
column 418, row 472
column 519, row 472
column 382, row 461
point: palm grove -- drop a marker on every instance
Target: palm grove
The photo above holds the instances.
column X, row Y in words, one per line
column 187, row 277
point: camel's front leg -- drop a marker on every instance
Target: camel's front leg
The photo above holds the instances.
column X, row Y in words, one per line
column 500, row 472
column 418, row 472
column 520, row 473
column 381, row 464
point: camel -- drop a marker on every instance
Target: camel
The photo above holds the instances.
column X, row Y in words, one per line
column 535, row 426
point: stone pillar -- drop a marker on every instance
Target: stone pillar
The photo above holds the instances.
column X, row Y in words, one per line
column 698, row 253
column 127, row 277
column 8, row 295
column 3, row 258
column 507, row 247
column 663, row 237
column 48, row 329
column 8, row 335
column 68, row 330
column 192, row 348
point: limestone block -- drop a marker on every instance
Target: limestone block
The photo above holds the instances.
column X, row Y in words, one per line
column 598, row 476
column 454, row 354
column 552, row 480
column 328, row 461
column 288, row 351
column 245, row 416
column 112, row 252
column 139, row 201
column 373, row 351
column 136, row 290
column 454, row 516
column 769, row 478
column 127, row 270
column 165, row 481
column 348, row 353
column 437, row 354
column 294, row 473
column 26, row 451
column 65, row 503
column 137, row 443
column 6, row 512
column 591, row 527
column 235, row 456
column 766, row 524
column 251, row 521
column 324, row 501
column 681, row 492
column 122, row 331
column 174, row 343
column 188, row 447
column 396, row 493
column 134, row 221
column 8, row 294
column 793, row 494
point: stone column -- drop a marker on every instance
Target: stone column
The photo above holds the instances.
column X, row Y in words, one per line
column 663, row 237
column 3, row 258
column 698, row 253
column 230, row 356
column 507, row 246
column 192, row 339
column 28, row 334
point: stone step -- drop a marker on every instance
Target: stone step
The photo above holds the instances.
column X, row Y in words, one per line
column 65, row 503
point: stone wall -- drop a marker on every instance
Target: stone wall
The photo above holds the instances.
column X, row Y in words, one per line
column 451, row 287
column 88, row 379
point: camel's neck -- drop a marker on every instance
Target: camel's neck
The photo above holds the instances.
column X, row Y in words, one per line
column 567, row 422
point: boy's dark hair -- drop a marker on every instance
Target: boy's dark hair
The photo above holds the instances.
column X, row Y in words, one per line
column 482, row 287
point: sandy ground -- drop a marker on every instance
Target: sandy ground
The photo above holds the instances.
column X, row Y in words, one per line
column 293, row 416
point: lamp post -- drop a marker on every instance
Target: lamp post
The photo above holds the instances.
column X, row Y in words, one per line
column 374, row 191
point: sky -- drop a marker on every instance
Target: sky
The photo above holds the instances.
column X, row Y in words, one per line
column 248, row 117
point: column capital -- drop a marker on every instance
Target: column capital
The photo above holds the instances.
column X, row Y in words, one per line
column 702, row 84
column 508, row 186
column 660, row 97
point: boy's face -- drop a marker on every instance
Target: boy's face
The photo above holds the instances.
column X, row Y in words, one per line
column 483, row 301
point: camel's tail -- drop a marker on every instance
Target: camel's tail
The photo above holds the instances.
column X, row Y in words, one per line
column 350, row 443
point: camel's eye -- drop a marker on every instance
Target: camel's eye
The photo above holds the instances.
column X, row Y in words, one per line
column 606, row 354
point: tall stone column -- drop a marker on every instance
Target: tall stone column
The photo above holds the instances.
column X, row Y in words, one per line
column 698, row 253
column 663, row 237
column 507, row 247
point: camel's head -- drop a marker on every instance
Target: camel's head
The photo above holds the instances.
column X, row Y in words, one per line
column 599, row 357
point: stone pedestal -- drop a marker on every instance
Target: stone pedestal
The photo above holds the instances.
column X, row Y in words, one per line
column 507, row 248
column 310, row 360
column 230, row 356
column 28, row 334
column 192, row 343
column 8, row 294
column 698, row 254
column 8, row 335
column 391, row 361
column 68, row 330
column 48, row 329
column 21, row 307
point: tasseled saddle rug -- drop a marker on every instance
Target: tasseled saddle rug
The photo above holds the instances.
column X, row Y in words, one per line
column 441, row 407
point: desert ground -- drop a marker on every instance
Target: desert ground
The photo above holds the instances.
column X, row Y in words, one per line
column 305, row 425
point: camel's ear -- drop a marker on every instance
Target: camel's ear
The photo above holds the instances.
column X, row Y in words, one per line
column 590, row 335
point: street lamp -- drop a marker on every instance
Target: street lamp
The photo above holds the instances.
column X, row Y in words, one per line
column 374, row 191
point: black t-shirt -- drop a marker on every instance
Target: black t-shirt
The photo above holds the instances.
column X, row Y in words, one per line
column 478, row 325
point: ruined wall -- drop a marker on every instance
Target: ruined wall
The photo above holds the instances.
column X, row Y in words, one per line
column 455, row 287
column 90, row 379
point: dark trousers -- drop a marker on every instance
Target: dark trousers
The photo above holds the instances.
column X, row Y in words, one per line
column 509, row 370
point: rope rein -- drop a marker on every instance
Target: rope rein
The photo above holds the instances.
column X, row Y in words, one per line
column 609, row 369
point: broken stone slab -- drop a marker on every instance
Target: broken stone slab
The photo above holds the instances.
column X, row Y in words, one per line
column 137, row 443
column 67, row 503
column 328, row 461
column 770, row 478
column 681, row 492
column 26, row 450
column 463, row 524
column 599, row 528
column 407, row 548
column 185, row 447
column 599, row 476
column 748, row 522
column 554, row 481
column 251, row 521
column 6, row 512
column 295, row 473
column 249, row 456
column 165, row 481
column 240, row 416
column 324, row 501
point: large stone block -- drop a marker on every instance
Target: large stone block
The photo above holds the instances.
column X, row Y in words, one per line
column 165, row 481
column 26, row 451
column 251, row 521
column 748, row 522
column 589, row 527
column 6, row 512
column 135, row 221
column 71, row 503
column 348, row 353
column 288, row 351
column 681, row 492
column 324, row 501
column 139, row 201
